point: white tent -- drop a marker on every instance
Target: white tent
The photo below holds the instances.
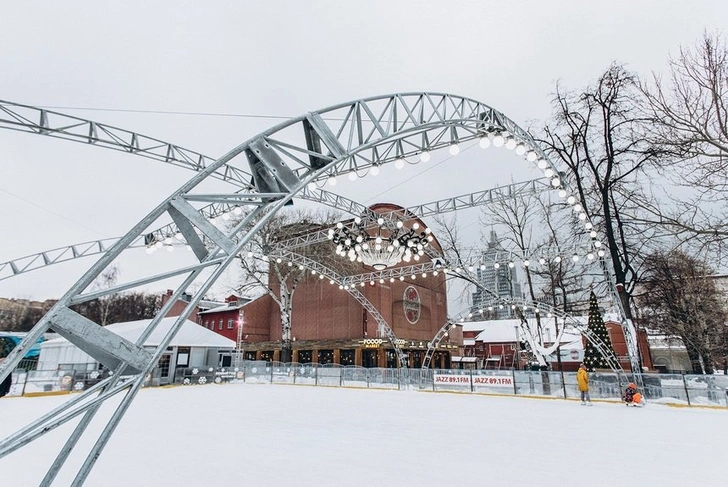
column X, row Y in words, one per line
column 192, row 346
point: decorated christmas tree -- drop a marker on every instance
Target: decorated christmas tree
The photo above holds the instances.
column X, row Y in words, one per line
column 593, row 359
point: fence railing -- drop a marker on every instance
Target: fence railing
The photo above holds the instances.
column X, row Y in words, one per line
column 689, row 390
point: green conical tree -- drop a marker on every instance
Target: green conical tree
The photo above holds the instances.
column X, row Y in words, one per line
column 593, row 359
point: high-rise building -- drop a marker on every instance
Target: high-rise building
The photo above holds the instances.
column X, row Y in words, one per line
column 501, row 281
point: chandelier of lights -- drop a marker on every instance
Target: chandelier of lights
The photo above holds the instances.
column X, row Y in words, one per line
column 381, row 246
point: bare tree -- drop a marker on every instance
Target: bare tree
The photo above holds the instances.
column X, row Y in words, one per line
column 453, row 250
column 106, row 280
column 596, row 134
column 679, row 298
column 688, row 127
column 22, row 315
column 562, row 281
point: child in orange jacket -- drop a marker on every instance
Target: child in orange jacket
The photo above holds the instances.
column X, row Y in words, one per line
column 631, row 396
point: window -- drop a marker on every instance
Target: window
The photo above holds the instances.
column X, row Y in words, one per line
column 249, row 355
column 325, row 356
column 347, row 357
column 230, row 324
column 220, row 325
column 207, row 324
column 183, row 357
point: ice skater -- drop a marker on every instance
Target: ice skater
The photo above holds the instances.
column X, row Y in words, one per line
column 631, row 396
column 582, row 380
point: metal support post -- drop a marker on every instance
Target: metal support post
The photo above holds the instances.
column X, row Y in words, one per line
column 687, row 392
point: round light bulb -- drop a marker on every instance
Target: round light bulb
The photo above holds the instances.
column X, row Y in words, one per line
column 498, row 140
column 399, row 163
column 331, row 181
column 454, row 149
column 542, row 163
column 352, row 176
column 531, row 156
column 375, row 170
column 425, row 156
column 520, row 149
column 511, row 143
column 484, row 142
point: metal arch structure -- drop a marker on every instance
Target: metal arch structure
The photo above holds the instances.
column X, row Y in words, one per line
column 29, row 119
column 167, row 234
column 272, row 167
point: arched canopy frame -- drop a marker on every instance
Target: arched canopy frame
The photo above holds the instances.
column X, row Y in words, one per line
column 372, row 132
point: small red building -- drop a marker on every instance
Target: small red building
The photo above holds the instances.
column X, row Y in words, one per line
column 499, row 344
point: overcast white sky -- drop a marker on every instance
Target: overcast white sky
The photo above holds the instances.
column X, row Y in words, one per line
column 278, row 58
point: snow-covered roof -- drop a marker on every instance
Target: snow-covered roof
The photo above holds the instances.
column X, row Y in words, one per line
column 241, row 303
column 189, row 335
column 218, row 309
column 468, row 342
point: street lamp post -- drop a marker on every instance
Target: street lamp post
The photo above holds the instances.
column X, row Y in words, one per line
column 516, row 348
column 239, row 341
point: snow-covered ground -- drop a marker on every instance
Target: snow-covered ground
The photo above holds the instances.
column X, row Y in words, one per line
column 275, row 435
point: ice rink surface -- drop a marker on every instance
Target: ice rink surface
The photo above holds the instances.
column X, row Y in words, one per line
column 243, row 434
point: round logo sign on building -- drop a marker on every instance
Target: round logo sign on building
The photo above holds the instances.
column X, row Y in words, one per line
column 411, row 304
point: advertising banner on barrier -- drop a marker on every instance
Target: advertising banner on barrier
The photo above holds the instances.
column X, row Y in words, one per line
column 490, row 381
column 451, row 380
column 493, row 381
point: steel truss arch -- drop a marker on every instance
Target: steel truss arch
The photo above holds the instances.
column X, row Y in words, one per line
column 30, row 119
column 169, row 234
column 282, row 160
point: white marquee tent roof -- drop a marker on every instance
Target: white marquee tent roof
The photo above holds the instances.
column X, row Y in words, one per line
column 504, row 331
column 189, row 335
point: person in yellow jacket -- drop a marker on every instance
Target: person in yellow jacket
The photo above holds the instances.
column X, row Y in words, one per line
column 582, row 380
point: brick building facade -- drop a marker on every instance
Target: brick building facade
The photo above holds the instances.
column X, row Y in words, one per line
column 329, row 325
